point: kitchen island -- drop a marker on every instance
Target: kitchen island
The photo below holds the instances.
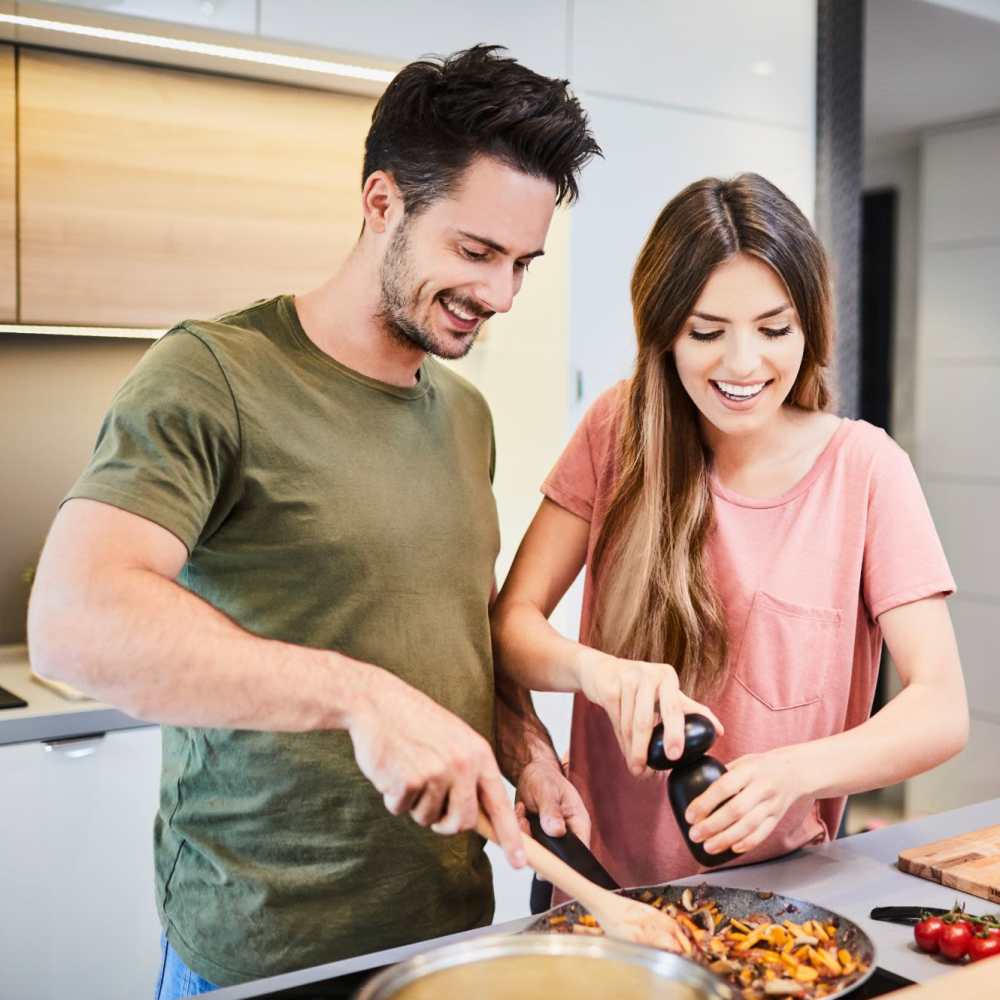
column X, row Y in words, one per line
column 850, row 876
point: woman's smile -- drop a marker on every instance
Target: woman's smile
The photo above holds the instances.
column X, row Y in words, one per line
column 739, row 395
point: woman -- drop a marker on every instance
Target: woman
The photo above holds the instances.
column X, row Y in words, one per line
column 743, row 546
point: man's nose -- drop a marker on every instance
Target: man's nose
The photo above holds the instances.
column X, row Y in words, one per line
column 497, row 293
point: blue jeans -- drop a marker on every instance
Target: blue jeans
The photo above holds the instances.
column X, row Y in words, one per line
column 176, row 980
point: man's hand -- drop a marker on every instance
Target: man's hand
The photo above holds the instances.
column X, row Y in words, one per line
column 760, row 789
column 429, row 763
column 545, row 790
column 636, row 695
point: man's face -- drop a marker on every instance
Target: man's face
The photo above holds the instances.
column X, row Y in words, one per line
column 462, row 259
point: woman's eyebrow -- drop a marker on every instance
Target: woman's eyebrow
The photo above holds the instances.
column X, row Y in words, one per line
column 722, row 319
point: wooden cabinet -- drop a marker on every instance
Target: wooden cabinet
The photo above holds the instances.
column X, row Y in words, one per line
column 8, row 186
column 148, row 195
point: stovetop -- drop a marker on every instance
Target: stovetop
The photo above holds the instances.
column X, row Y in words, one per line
column 880, row 983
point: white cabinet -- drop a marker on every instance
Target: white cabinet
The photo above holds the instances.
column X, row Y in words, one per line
column 222, row 15
column 77, row 914
column 749, row 60
column 535, row 31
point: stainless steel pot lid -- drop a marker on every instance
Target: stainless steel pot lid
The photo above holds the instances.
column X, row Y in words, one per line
column 545, row 966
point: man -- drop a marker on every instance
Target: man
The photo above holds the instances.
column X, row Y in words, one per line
column 283, row 547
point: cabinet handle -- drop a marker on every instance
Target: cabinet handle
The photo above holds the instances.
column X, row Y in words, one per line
column 75, row 746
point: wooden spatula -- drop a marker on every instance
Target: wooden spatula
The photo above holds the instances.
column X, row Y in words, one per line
column 620, row 917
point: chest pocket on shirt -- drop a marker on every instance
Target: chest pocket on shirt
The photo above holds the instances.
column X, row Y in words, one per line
column 788, row 652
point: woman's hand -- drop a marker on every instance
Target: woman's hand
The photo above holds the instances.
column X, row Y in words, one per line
column 637, row 695
column 760, row 789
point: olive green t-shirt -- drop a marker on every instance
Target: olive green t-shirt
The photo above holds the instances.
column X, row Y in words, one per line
column 327, row 509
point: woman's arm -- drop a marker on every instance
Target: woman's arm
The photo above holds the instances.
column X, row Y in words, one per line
column 525, row 645
column 529, row 650
column 923, row 726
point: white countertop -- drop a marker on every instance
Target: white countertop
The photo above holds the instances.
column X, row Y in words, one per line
column 48, row 715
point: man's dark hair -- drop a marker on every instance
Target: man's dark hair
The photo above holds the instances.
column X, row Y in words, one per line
column 438, row 114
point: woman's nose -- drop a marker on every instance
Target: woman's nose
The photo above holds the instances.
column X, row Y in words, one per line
column 742, row 355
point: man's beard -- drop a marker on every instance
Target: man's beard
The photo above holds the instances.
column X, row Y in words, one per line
column 399, row 298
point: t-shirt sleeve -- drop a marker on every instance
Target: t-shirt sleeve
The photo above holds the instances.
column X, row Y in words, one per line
column 169, row 447
column 904, row 560
column 573, row 481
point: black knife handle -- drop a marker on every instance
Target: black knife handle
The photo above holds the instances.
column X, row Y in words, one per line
column 571, row 849
column 906, row 915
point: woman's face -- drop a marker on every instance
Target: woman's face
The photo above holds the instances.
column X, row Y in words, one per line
column 740, row 350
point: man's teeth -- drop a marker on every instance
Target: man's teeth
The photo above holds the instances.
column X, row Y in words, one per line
column 452, row 307
column 741, row 391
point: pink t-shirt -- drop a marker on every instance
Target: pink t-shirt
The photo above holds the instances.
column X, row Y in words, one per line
column 803, row 578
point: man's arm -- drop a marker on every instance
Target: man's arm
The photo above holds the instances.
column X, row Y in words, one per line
column 522, row 738
column 529, row 760
column 107, row 616
column 530, row 763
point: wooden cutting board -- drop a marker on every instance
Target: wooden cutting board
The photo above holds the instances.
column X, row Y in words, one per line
column 969, row 863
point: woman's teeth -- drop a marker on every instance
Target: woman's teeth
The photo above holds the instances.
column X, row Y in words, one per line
column 739, row 392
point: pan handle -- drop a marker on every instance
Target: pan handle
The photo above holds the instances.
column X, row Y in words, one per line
column 571, row 849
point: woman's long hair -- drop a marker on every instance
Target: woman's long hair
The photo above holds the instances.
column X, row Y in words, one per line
column 656, row 601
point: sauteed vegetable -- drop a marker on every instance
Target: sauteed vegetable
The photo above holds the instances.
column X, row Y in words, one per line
column 759, row 955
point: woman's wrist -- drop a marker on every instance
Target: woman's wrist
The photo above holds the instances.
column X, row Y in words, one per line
column 585, row 662
column 803, row 769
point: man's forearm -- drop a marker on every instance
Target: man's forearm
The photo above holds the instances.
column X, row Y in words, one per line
column 522, row 738
column 140, row 641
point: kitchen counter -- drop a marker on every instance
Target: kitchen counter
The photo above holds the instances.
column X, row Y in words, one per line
column 49, row 716
column 850, row 876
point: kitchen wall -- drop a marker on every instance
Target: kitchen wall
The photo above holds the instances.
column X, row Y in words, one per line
column 899, row 168
column 957, row 425
column 53, row 391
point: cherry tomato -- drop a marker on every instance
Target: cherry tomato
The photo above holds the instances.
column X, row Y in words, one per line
column 954, row 940
column 984, row 946
column 927, row 932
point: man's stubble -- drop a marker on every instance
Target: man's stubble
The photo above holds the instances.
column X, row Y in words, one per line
column 399, row 298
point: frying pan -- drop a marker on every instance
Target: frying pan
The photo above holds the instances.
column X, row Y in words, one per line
column 738, row 903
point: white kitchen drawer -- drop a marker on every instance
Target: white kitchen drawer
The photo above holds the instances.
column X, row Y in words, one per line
column 77, row 913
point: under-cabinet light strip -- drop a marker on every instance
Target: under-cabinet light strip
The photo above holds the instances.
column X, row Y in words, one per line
column 122, row 332
column 203, row 48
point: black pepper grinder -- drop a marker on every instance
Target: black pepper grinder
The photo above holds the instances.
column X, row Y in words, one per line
column 689, row 777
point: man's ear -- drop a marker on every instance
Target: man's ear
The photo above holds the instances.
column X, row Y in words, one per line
column 381, row 201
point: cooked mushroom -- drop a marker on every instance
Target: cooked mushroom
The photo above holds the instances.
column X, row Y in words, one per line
column 723, row 966
column 783, row 988
column 687, row 900
column 704, row 917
